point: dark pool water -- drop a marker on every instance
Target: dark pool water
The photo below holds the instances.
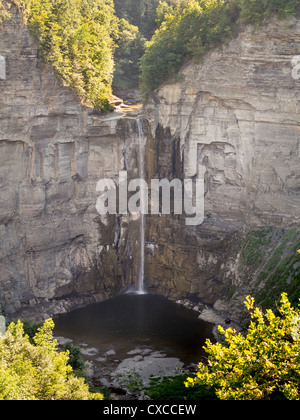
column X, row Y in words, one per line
column 130, row 321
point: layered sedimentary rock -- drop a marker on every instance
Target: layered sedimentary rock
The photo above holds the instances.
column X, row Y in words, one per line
column 237, row 116
column 232, row 119
column 53, row 151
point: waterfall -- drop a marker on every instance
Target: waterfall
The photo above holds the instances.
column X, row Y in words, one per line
column 141, row 164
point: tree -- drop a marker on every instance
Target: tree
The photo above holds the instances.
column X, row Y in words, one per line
column 77, row 38
column 255, row 366
column 189, row 28
column 141, row 13
column 37, row 371
column 130, row 48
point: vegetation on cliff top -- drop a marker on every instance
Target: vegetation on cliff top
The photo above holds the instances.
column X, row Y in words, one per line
column 195, row 26
column 86, row 41
column 77, row 38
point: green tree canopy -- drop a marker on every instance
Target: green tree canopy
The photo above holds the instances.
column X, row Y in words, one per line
column 187, row 30
column 141, row 13
column 192, row 27
column 130, row 48
column 255, row 366
column 77, row 38
column 37, row 371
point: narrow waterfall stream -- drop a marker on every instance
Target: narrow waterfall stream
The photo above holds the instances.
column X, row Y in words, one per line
column 143, row 206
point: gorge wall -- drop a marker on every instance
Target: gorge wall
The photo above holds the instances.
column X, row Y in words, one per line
column 232, row 119
column 55, row 250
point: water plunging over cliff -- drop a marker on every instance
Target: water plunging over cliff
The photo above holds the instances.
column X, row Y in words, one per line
column 141, row 163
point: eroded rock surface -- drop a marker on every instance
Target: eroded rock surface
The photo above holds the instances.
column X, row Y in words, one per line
column 53, row 151
column 232, row 119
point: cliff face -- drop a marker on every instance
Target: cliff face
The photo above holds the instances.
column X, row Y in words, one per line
column 53, row 151
column 237, row 116
column 232, row 119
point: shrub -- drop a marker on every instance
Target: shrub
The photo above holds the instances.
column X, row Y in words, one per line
column 172, row 388
column 76, row 360
column 263, row 363
column 37, row 371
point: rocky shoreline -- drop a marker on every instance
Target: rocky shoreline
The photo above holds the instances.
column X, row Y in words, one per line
column 217, row 315
column 128, row 378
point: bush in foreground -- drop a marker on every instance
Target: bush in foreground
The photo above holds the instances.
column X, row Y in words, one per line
column 37, row 371
column 264, row 363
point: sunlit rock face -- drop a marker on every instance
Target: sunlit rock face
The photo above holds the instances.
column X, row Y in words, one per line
column 237, row 114
column 232, row 118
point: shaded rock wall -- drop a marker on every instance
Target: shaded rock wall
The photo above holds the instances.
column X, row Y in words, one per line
column 232, row 119
column 53, row 151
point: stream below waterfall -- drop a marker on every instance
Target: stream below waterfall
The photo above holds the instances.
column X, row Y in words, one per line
column 147, row 334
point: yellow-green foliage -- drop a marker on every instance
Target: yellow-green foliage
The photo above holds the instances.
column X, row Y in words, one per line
column 37, row 371
column 265, row 361
column 4, row 12
column 76, row 37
